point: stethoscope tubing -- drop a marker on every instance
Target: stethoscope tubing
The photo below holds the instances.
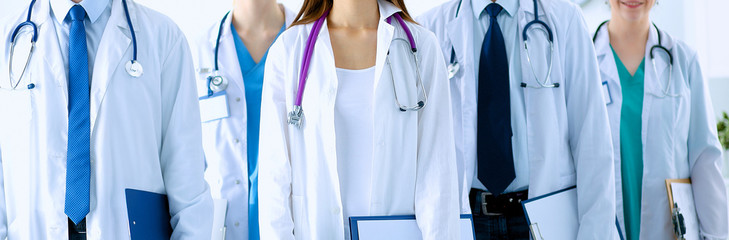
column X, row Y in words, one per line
column 131, row 29
column 217, row 42
column 133, row 67
column 665, row 89
column 216, row 82
column 550, row 36
column 295, row 117
column 16, row 31
column 308, row 52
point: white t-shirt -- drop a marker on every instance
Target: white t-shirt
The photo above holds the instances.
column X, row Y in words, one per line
column 353, row 125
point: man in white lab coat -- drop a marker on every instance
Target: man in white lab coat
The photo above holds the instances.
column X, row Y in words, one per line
column 518, row 135
column 78, row 128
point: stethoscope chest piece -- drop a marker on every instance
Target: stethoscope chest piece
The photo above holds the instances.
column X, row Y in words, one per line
column 134, row 69
column 453, row 69
column 217, row 83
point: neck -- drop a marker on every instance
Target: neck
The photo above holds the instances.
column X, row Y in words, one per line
column 354, row 14
column 254, row 15
column 631, row 31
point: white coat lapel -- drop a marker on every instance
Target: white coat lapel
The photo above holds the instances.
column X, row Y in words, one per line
column 49, row 47
column 605, row 57
column 385, row 34
column 110, row 57
column 460, row 35
column 656, row 76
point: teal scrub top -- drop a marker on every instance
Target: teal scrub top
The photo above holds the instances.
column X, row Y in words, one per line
column 253, row 84
column 631, row 145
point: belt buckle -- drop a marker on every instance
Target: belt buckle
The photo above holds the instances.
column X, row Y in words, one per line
column 484, row 208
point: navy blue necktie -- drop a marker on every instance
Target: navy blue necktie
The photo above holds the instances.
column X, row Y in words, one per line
column 495, row 157
column 78, row 167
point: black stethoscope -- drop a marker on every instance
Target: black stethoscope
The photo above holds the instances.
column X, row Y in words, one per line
column 454, row 66
column 216, row 82
column 659, row 46
column 133, row 67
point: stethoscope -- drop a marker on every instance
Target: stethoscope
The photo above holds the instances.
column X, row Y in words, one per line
column 659, row 46
column 216, row 82
column 295, row 117
column 133, row 67
column 454, row 67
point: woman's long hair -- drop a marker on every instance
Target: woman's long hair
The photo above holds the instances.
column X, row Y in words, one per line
column 314, row 9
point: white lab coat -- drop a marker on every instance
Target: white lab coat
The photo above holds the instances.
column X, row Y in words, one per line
column 414, row 169
column 678, row 134
column 224, row 140
column 145, row 132
column 568, row 132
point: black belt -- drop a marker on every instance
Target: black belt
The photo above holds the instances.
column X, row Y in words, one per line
column 77, row 231
column 484, row 203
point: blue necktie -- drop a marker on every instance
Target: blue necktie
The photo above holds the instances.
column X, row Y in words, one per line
column 495, row 157
column 78, row 169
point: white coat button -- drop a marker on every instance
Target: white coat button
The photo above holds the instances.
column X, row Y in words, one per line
column 237, row 140
column 237, row 182
column 237, row 224
column 335, row 210
column 237, row 99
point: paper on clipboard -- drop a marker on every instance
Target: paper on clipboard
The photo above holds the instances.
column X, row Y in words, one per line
column 399, row 227
column 680, row 193
column 554, row 216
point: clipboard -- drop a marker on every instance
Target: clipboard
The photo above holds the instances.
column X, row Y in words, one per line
column 399, row 227
column 682, row 209
column 554, row 216
column 149, row 215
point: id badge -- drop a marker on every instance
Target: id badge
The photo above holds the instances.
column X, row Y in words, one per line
column 214, row 107
column 606, row 93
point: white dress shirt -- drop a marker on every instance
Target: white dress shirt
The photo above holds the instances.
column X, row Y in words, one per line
column 508, row 25
column 97, row 15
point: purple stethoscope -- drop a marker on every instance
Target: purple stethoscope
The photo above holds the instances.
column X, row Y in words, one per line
column 296, row 116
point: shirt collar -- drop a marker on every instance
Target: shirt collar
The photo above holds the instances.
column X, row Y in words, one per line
column 387, row 9
column 478, row 6
column 94, row 8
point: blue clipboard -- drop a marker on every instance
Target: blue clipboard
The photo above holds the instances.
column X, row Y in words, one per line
column 149, row 215
column 354, row 229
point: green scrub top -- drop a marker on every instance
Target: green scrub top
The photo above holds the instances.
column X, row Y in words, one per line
column 631, row 145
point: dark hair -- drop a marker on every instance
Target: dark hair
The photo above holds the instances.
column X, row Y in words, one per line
column 314, row 9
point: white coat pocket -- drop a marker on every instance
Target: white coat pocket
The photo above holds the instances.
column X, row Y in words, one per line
column 16, row 108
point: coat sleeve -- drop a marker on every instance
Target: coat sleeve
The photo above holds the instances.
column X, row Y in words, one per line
column 436, row 186
column 181, row 153
column 704, row 152
column 274, row 178
column 589, row 134
column 3, row 211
